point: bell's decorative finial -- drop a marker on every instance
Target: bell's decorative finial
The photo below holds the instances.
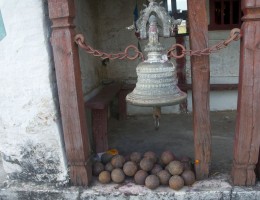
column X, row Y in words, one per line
column 169, row 23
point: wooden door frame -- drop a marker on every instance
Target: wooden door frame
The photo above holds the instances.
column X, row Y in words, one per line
column 77, row 146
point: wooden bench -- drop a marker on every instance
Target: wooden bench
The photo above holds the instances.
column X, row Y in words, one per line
column 127, row 88
column 99, row 105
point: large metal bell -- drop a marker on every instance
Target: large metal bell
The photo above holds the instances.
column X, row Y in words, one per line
column 156, row 85
column 157, row 80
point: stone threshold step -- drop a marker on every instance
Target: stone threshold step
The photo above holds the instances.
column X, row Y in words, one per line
column 214, row 188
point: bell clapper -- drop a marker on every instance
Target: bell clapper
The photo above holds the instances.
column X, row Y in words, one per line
column 156, row 116
column 156, row 123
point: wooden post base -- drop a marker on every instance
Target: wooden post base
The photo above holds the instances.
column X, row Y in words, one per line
column 243, row 175
column 80, row 174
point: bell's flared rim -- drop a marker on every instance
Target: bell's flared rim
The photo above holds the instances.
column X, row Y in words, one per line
column 140, row 100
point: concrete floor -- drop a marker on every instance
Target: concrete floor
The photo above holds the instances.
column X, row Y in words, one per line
column 176, row 134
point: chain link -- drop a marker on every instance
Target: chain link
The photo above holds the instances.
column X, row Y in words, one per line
column 234, row 36
column 80, row 40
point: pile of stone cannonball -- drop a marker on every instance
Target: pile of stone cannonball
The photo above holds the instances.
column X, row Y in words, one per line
column 146, row 169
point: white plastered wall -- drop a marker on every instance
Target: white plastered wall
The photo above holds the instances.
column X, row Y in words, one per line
column 31, row 141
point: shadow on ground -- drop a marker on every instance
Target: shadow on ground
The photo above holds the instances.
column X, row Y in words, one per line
column 137, row 133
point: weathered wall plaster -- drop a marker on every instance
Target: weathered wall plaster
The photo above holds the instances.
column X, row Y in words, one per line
column 224, row 65
column 224, row 68
column 31, row 144
column 114, row 17
column 86, row 24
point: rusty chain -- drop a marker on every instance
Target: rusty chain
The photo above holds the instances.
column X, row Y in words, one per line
column 80, row 40
column 234, row 36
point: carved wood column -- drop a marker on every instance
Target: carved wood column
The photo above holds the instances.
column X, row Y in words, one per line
column 247, row 137
column 200, row 87
column 66, row 59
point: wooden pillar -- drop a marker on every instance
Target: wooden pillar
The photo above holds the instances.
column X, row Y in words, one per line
column 181, row 71
column 99, row 126
column 247, row 137
column 200, row 87
column 257, row 170
column 66, row 59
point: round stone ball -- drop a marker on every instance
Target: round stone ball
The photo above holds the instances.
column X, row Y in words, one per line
column 164, row 177
column 185, row 159
column 176, row 182
column 175, row 167
column 130, row 168
column 156, row 168
column 104, row 177
column 146, row 164
column 150, row 155
column 167, row 157
column 186, row 166
column 167, row 168
column 106, row 158
column 109, row 167
column 97, row 168
column 136, row 157
column 186, row 162
column 118, row 161
column 127, row 158
column 188, row 177
column 117, row 175
column 160, row 162
column 152, row 182
column 140, row 177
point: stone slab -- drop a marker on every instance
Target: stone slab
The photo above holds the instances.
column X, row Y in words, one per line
column 24, row 191
column 214, row 188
